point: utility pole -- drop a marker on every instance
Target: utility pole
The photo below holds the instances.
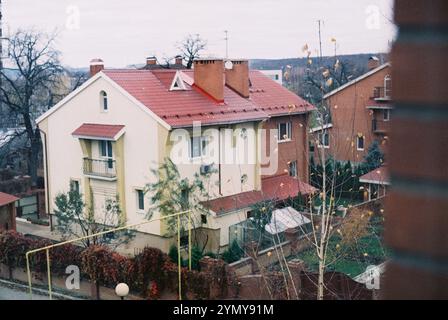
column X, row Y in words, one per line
column 320, row 43
column 227, row 43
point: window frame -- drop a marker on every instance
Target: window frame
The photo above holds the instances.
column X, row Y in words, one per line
column 77, row 183
column 358, row 139
column 386, row 112
column 104, row 101
column 288, row 132
column 202, row 147
column 106, row 145
column 140, row 198
column 291, row 165
column 387, row 86
column 321, row 140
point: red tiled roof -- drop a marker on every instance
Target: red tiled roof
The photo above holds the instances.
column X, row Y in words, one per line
column 272, row 188
column 181, row 108
column 273, row 98
column 105, row 131
column 7, row 199
column 377, row 176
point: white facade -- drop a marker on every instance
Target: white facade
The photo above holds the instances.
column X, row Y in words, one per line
column 146, row 142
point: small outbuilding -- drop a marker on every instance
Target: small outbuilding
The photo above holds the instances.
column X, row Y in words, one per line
column 7, row 212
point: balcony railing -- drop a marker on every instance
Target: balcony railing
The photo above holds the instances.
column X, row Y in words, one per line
column 382, row 93
column 100, row 168
column 380, row 126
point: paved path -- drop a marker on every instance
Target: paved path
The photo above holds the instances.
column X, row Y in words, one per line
column 7, row 293
column 36, row 230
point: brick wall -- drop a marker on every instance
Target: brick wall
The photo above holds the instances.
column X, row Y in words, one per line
column 296, row 149
column 417, row 208
column 350, row 117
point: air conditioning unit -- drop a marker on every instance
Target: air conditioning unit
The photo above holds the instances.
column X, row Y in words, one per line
column 206, row 168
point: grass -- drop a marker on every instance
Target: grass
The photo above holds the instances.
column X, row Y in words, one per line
column 352, row 261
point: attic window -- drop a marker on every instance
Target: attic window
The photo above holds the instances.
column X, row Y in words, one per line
column 103, row 101
column 178, row 83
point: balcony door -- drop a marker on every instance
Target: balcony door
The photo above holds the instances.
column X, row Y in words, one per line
column 106, row 153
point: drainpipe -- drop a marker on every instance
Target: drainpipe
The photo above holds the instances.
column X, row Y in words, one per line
column 47, row 194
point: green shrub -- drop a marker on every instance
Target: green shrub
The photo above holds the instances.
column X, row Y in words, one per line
column 234, row 253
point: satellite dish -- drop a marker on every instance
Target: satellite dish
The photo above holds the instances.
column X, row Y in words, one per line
column 228, row 65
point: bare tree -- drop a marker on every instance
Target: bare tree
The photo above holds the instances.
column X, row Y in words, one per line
column 191, row 47
column 28, row 84
column 76, row 220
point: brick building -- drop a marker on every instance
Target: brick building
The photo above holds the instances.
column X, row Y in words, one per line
column 360, row 113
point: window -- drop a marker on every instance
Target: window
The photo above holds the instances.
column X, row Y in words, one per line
column 106, row 152
column 360, row 143
column 386, row 115
column 284, row 131
column 184, row 241
column 197, row 146
column 103, row 97
column 293, row 168
column 324, row 140
column 74, row 186
column 311, row 145
column 387, row 86
column 203, row 219
column 106, row 148
column 140, row 200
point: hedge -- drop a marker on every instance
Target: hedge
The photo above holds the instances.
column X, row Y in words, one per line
column 148, row 273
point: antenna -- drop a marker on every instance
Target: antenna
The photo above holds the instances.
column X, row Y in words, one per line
column 227, row 43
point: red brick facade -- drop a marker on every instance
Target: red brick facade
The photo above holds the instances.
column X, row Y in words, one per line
column 295, row 149
column 356, row 112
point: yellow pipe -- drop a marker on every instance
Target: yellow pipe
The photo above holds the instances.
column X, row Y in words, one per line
column 189, row 240
column 50, row 293
column 29, row 275
column 30, row 285
column 179, row 258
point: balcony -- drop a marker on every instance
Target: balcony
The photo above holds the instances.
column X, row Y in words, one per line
column 382, row 93
column 380, row 126
column 102, row 169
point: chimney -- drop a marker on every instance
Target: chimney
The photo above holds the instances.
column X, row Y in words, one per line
column 209, row 76
column 151, row 61
column 237, row 77
column 374, row 62
column 178, row 59
column 96, row 65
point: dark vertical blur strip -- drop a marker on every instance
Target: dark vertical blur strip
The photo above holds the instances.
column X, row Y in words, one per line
column 1, row 52
column 417, row 207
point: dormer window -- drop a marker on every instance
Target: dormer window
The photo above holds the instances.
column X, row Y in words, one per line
column 103, row 101
column 178, row 83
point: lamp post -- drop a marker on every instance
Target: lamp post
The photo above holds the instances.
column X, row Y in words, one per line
column 122, row 290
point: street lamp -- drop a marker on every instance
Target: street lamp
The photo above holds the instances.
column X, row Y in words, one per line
column 122, row 290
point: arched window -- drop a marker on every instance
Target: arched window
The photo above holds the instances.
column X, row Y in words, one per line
column 103, row 101
column 387, row 86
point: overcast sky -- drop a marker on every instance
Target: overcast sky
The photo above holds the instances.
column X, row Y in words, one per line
column 126, row 32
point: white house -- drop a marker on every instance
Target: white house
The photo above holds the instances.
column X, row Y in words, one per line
column 106, row 137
